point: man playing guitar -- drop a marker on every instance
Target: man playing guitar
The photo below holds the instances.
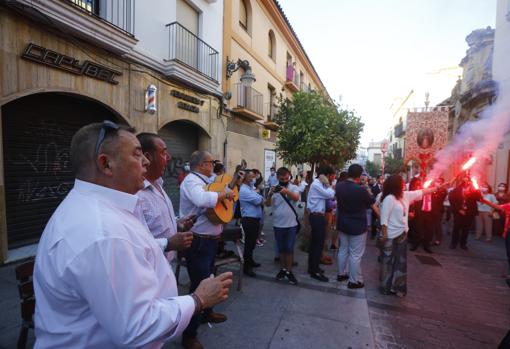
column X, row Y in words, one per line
column 195, row 200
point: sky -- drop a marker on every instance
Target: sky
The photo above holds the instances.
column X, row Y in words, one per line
column 370, row 53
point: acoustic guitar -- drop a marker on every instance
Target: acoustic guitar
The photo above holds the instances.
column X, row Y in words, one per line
column 223, row 212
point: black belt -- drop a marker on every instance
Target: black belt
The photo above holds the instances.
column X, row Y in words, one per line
column 207, row 237
column 316, row 213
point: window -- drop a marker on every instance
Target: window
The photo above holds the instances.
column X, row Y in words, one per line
column 271, row 41
column 187, row 16
column 243, row 14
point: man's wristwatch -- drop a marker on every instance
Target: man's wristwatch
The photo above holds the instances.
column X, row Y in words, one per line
column 198, row 303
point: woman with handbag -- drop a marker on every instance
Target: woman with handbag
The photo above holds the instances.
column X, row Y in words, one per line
column 393, row 239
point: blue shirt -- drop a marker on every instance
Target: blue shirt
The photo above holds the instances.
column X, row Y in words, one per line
column 317, row 196
column 250, row 202
column 353, row 200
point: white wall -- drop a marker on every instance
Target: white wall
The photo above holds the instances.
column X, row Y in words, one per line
column 151, row 18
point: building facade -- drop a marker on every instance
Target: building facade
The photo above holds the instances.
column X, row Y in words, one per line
column 263, row 59
column 66, row 63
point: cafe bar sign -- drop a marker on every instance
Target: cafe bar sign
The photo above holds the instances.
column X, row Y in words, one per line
column 57, row 60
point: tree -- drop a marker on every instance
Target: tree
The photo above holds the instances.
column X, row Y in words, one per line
column 393, row 165
column 372, row 168
column 312, row 130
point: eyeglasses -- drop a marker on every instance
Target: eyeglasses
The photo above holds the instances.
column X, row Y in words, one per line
column 107, row 126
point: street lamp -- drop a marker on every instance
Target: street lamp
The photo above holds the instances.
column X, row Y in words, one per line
column 247, row 78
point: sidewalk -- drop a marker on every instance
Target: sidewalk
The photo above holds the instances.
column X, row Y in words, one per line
column 456, row 299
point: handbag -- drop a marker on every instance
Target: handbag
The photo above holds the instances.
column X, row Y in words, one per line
column 294, row 211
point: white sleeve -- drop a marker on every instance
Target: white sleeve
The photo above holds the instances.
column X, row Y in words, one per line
column 386, row 206
column 196, row 193
column 413, row 196
column 119, row 284
column 324, row 193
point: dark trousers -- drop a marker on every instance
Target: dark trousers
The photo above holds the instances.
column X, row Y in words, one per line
column 437, row 223
column 461, row 226
column 424, row 229
column 251, row 231
column 318, row 234
column 200, row 263
column 507, row 246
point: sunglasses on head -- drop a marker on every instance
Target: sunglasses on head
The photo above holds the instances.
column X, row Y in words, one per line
column 107, row 126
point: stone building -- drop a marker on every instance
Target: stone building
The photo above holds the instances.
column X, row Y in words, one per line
column 66, row 63
column 263, row 58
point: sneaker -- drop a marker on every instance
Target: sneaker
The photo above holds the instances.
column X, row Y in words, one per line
column 281, row 274
column 320, row 277
column 292, row 279
column 341, row 278
column 355, row 285
column 260, row 243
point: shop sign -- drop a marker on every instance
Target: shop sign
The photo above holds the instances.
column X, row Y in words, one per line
column 57, row 60
column 187, row 98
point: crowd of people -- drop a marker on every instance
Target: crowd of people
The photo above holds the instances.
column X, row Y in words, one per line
column 103, row 277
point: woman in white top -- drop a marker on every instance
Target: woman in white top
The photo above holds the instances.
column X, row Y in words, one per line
column 393, row 240
column 484, row 218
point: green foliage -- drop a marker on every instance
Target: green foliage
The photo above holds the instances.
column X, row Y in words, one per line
column 393, row 166
column 372, row 168
column 315, row 131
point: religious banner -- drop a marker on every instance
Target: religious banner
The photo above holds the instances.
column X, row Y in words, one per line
column 426, row 133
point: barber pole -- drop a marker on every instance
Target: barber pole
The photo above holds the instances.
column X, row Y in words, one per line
column 150, row 99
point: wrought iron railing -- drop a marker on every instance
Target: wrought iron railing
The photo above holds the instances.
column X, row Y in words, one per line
column 249, row 98
column 190, row 50
column 119, row 13
column 271, row 110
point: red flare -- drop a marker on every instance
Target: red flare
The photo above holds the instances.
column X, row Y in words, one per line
column 469, row 163
column 427, row 183
column 475, row 183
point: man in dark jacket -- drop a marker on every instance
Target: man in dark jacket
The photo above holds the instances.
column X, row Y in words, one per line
column 464, row 209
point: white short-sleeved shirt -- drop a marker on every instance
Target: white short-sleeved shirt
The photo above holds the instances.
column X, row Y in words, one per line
column 283, row 216
column 395, row 213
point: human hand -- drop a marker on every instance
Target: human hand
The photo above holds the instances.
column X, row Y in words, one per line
column 180, row 241
column 185, row 223
column 215, row 290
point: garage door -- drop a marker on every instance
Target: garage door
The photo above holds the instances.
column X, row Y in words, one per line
column 181, row 139
column 37, row 132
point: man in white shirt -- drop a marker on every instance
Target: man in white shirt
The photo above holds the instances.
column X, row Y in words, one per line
column 195, row 200
column 100, row 278
column 320, row 191
column 157, row 209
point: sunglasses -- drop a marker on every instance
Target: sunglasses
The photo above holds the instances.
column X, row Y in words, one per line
column 107, row 126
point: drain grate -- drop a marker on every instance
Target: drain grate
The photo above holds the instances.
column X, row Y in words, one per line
column 428, row 260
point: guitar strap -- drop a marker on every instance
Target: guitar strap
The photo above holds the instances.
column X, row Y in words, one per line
column 203, row 180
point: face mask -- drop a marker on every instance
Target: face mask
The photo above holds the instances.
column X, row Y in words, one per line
column 501, row 188
column 187, row 168
column 283, row 184
column 484, row 190
column 252, row 182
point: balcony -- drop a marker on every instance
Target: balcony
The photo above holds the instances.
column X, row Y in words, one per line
column 270, row 111
column 292, row 78
column 188, row 50
column 248, row 102
column 399, row 130
column 106, row 23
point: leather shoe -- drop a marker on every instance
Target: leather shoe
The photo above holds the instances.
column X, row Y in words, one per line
column 214, row 318
column 427, row 249
column 341, row 278
column 191, row 343
column 320, row 277
column 250, row 273
column 354, row 285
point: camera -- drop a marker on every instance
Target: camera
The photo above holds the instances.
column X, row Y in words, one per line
column 277, row 188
